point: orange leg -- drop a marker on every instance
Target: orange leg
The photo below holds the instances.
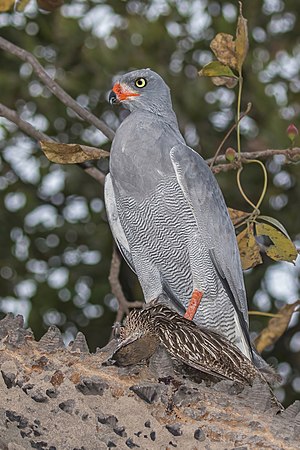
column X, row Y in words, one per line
column 193, row 305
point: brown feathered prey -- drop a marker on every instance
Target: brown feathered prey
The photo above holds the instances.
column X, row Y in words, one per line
column 197, row 347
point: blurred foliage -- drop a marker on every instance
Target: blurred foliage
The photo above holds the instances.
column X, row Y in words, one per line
column 276, row 327
column 54, row 237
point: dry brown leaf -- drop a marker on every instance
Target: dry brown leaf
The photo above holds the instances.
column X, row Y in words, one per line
column 237, row 216
column 5, row 5
column 276, row 327
column 223, row 47
column 241, row 42
column 71, row 153
column 282, row 248
column 225, row 81
column 248, row 248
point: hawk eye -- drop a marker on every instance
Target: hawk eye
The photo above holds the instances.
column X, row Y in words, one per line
column 140, row 82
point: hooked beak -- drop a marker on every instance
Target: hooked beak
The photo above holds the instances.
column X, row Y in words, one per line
column 120, row 93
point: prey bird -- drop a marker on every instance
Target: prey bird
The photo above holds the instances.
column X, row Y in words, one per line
column 168, row 215
column 184, row 341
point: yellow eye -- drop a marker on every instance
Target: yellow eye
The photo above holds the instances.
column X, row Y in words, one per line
column 140, row 82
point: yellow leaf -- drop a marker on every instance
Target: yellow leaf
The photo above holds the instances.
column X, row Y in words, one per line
column 249, row 249
column 237, row 216
column 276, row 327
column 71, row 153
column 216, row 69
column 223, row 47
column 276, row 224
column 282, row 248
column 241, row 42
column 5, row 5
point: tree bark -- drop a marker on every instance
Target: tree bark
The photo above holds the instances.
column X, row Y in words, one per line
column 60, row 398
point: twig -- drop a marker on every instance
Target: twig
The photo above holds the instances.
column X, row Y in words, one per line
column 228, row 134
column 27, row 128
column 289, row 153
column 54, row 87
column 13, row 116
column 116, row 288
column 225, row 167
column 95, row 173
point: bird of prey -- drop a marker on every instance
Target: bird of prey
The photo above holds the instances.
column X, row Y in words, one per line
column 168, row 215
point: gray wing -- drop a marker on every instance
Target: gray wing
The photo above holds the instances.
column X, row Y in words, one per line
column 208, row 205
column 114, row 222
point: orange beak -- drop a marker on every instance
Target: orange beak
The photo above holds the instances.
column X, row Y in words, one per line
column 123, row 92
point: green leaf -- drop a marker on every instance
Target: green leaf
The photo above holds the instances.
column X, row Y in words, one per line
column 282, row 249
column 216, row 69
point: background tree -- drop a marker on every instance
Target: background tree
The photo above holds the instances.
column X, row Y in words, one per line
column 55, row 240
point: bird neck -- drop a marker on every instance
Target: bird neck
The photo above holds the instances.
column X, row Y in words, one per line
column 165, row 113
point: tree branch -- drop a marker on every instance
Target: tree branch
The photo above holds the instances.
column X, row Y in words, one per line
column 65, row 397
column 291, row 154
column 94, row 173
column 116, row 287
column 54, row 87
column 27, row 128
column 228, row 134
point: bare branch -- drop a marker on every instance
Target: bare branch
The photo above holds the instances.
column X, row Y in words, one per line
column 228, row 134
column 27, row 128
column 14, row 117
column 291, row 154
column 116, row 288
column 95, row 173
column 225, row 167
column 54, row 87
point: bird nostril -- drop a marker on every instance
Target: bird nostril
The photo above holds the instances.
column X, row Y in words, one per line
column 112, row 97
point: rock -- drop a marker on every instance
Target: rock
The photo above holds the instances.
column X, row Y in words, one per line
column 148, row 393
column 131, row 444
column 67, row 406
column 91, row 386
column 9, row 379
column 174, row 429
column 108, row 420
column 199, row 435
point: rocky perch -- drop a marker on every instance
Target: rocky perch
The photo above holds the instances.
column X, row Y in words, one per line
column 57, row 398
